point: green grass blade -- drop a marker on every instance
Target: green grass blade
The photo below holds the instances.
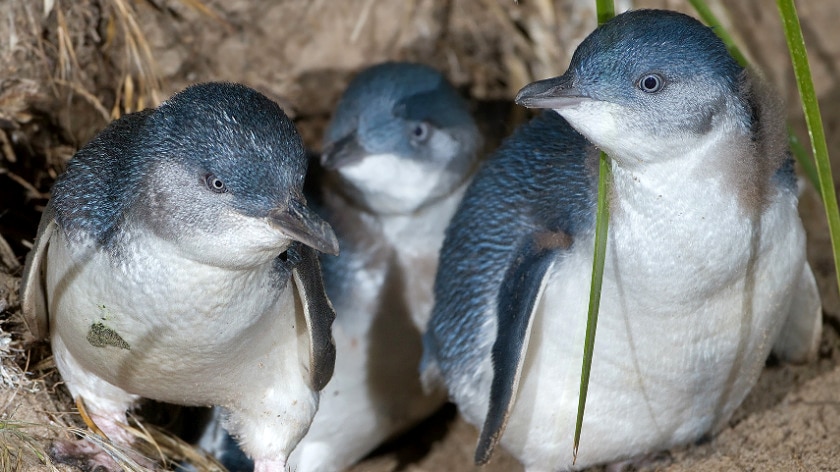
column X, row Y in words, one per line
column 804, row 159
column 802, row 71
column 606, row 10
column 799, row 152
column 601, row 227
column 709, row 18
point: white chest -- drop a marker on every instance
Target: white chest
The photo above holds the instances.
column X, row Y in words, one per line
column 151, row 322
column 401, row 263
column 693, row 297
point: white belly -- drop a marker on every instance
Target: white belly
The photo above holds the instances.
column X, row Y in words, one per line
column 166, row 332
column 675, row 352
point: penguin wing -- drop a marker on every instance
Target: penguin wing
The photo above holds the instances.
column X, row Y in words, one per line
column 318, row 316
column 33, row 292
column 519, row 294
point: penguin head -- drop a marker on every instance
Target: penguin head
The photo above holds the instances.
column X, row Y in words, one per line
column 217, row 171
column 401, row 136
column 647, row 83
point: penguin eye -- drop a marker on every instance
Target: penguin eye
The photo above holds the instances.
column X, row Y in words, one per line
column 419, row 132
column 651, row 83
column 215, row 184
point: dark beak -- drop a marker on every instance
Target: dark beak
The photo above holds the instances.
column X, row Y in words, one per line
column 555, row 93
column 302, row 224
column 346, row 150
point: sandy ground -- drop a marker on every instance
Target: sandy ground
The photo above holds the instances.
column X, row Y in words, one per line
column 302, row 54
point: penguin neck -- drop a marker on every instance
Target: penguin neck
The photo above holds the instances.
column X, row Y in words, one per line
column 341, row 193
column 362, row 227
column 681, row 205
column 427, row 221
column 712, row 175
column 139, row 245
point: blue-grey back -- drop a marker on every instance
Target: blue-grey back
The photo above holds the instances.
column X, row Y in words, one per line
column 542, row 179
column 94, row 191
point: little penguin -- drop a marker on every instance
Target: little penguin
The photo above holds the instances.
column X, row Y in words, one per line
column 177, row 260
column 398, row 154
column 705, row 270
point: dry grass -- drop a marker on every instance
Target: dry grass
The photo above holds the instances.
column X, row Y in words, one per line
column 24, row 441
column 139, row 85
column 21, row 439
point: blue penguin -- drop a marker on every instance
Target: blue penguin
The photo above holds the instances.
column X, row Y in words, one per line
column 705, row 269
column 177, row 261
column 398, row 153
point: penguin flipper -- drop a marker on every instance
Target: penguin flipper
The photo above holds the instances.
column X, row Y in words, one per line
column 519, row 296
column 33, row 293
column 318, row 315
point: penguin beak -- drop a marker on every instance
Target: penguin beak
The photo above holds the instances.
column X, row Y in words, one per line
column 346, row 150
column 302, row 224
column 555, row 93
